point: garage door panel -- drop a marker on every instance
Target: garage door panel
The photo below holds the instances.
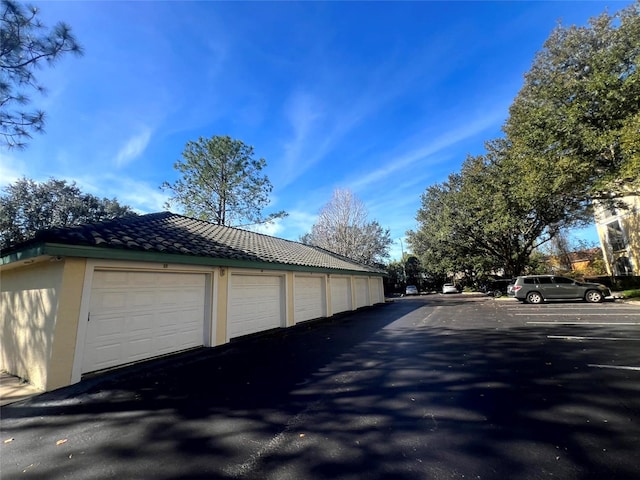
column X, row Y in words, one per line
column 139, row 348
column 141, row 324
column 105, row 355
column 106, row 279
column 340, row 294
column 362, row 292
column 255, row 304
column 309, row 298
column 103, row 329
column 140, row 315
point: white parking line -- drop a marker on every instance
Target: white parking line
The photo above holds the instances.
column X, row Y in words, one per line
column 616, row 367
column 583, row 323
column 572, row 337
column 558, row 314
column 560, row 306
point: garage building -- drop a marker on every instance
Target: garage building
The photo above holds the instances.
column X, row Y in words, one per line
column 82, row 299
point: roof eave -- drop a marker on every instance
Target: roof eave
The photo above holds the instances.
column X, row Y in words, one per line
column 30, row 252
column 64, row 250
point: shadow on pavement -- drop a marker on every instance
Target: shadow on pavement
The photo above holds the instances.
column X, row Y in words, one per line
column 377, row 394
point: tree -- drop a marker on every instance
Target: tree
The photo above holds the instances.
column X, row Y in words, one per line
column 222, row 183
column 491, row 215
column 343, row 227
column 24, row 45
column 28, row 206
column 578, row 113
column 394, row 281
column 413, row 271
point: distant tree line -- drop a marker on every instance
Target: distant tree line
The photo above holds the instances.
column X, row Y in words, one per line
column 27, row 206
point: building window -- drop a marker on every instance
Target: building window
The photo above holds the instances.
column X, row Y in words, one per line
column 623, row 267
column 615, row 236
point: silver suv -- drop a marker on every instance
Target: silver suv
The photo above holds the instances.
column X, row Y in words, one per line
column 539, row 288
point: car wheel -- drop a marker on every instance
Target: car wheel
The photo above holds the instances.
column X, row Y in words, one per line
column 534, row 297
column 593, row 296
column 497, row 293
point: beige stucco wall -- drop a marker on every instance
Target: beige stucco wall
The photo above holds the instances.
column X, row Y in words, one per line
column 290, row 302
column 29, row 299
column 39, row 307
column 221, row 307
column 66, row 326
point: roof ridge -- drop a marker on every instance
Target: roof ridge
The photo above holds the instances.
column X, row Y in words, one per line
column 173, row 233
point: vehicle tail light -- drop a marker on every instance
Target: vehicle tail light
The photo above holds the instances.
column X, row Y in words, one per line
column 515, row 288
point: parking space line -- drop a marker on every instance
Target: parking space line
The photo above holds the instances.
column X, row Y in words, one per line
column 558, row 306
column 584, row 323
column 573, row 337
column 615, row 367
column 558, row 314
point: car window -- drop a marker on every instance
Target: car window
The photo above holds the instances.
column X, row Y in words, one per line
column 544, row 280
column 529, row 280
column 562, row 280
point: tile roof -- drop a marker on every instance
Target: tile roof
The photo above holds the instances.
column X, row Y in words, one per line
column 170, row 233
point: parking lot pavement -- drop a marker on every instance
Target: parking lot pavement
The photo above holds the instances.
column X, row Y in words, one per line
column 609, row 333
column 432, row 387
column 563, row 312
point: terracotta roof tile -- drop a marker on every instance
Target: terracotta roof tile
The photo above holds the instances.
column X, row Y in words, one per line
column 167, row 232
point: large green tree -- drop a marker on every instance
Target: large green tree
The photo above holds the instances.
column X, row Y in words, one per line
column 222, row 183
column 343, row 227
column 491, row 215
column 573, row 135
column 577, row 117
column 27, row 206
column 25, row 45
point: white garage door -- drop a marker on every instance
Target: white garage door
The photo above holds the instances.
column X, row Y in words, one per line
column 310, row 300
column 138, row 315
column 377, row 290
column 340, row 294
column 256, row 304
column 362, row 292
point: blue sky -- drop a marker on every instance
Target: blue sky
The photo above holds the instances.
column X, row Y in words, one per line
column 382, row 98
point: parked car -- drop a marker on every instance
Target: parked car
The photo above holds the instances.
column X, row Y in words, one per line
column 497, row 288
column 539, row 288
column 449, row 288
column 411, row 290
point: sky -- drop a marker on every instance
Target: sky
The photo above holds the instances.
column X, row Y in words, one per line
column 382, row 98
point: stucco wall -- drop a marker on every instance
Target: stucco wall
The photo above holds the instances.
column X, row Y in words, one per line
column 41, row 305
column 29, row 299
column 66, row 326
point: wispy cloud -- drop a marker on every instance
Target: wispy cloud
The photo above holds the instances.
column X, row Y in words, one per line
column 423, row 152
column 325, row 114
column 133, row 148
column 302, row 112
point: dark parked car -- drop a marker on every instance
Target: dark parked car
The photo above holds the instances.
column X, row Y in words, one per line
column 539, row 288
column 497, row 288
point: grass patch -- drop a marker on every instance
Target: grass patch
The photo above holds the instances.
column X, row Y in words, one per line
column 631, row 293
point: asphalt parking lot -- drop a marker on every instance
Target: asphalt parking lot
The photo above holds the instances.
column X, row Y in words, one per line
column 430, row 387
